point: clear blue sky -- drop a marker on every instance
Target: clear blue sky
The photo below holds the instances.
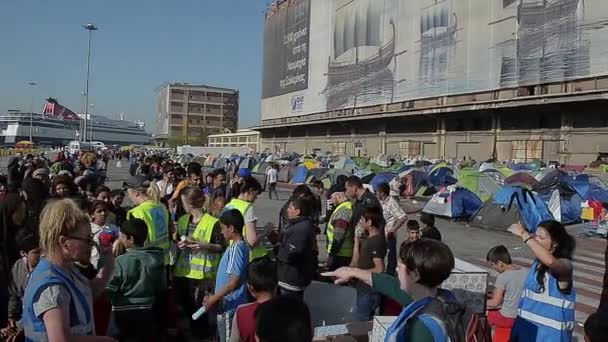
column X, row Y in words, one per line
column 140, row 45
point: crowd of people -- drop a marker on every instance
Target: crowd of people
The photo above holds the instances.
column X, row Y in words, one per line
column 82, row 261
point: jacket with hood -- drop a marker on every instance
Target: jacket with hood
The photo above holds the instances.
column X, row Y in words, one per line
column 295, row 259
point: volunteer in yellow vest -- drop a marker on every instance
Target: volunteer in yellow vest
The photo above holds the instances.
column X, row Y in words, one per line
column 200, row 243
column 146, row 196
column 250, row 189
column 340, row 236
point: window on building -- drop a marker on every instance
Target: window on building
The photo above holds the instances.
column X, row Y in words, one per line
column 410, row 148
column 242, row 139
column 526, row 150
column 339, row 149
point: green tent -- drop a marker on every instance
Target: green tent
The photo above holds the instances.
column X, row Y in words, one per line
column 479, row 183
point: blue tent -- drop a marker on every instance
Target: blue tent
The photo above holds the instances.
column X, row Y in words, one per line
column 512, row 204
column 300, row 175
column 441, row 176
column 588, row 187
column 563, row 202
column 453, row 202
column 382, row 177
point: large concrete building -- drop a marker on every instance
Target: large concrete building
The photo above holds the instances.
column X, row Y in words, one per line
column 439, row 78
column 188, row 113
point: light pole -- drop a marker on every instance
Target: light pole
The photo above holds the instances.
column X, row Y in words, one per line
column 91, row 123
column 32, row 85
column 90, row 27
column 82, row 110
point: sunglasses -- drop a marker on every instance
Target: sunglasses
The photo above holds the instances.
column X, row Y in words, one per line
column 88, row 239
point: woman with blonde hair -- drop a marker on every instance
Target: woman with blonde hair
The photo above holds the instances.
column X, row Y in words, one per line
column 57, row 304
column 200, row 249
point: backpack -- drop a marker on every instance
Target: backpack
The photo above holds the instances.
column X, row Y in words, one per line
column 446, row 319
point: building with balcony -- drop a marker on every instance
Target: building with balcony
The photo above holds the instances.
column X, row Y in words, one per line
column 243, row 137
column 189, row 113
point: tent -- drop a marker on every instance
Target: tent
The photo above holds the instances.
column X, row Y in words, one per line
column 300, row 175
column 247, row 163
column 318, row 173
column 563, row 202
column 510, row 205
column 220, row 163
column 310, row 163
column 588, row 187
column 345, row 164
column 522, row 179
column 547, row 177
column 382, row 177
column 481, row 184
column 330, row 177
column 412, row 179
column 441, row 175
column 286, row 173
column 453, row 202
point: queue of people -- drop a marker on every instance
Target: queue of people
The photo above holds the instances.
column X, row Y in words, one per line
column 79, row 265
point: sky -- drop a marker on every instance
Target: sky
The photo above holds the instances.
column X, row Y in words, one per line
column 140, row 45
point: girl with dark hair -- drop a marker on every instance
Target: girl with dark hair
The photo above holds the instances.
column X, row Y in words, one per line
column 546, row 310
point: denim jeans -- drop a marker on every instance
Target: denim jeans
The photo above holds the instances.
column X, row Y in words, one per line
column 367, row 303
column 224, row 325
column 391, row 255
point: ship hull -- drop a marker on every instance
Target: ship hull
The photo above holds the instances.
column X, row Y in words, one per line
column 56, row 132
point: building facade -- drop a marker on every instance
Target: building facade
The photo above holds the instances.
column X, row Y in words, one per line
column 242, row 137
column 188, row 113
column 515, row 80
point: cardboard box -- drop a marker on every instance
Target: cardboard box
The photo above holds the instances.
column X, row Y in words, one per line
column 469, row 284
column 380, row 327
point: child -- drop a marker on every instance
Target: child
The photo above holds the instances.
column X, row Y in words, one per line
column 413, row 230
column 502, row 307
column 30, row 255
column 283, row 319
column 596, row 329
column 104, row 234
column 139, row 277
column 262, row 284
column 295, row 257
column 121, row 213
column 370, row 257
column 429, row 231
column 230, row 289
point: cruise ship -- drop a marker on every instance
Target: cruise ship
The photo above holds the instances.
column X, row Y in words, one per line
column 57, row 125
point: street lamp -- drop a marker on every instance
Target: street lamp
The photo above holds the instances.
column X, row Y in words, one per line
column 90, row 27
column 32, row 85
column 83, row 109
column 91, row 123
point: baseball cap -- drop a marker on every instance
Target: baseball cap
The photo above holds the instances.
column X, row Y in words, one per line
column 244, row 173
column 136, row 182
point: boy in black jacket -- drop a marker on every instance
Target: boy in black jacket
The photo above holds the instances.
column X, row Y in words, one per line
column 295, row 256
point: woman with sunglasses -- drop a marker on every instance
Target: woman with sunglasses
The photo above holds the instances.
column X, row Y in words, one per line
column 58, row 299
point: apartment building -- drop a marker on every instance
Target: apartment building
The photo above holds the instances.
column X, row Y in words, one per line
column 189, row 113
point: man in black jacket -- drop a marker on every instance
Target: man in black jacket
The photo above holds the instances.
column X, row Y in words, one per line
column 295, row 256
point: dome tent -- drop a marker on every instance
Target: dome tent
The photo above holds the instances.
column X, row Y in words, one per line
column 453, row 202
column 512, row 204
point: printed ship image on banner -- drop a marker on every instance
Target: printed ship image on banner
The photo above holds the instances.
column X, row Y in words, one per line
column 361, row 55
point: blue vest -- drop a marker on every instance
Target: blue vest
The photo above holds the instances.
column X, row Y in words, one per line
column 547, row 316
column 398, row 330
column 44, row 275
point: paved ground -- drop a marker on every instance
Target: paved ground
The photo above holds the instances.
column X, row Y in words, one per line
column 468, row 243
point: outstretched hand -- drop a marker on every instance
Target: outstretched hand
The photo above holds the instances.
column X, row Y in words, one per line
column 342, row 275
column 517, row 229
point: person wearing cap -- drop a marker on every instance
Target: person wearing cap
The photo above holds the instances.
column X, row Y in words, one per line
column 250, row 188
column 145, row 195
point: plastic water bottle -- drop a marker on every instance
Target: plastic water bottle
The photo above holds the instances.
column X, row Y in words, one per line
column 198, row 313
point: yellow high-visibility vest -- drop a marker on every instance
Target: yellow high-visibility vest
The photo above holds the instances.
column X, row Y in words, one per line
column 197, row 264
column 156, row 217
column 242, row 206
column 346, row 250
